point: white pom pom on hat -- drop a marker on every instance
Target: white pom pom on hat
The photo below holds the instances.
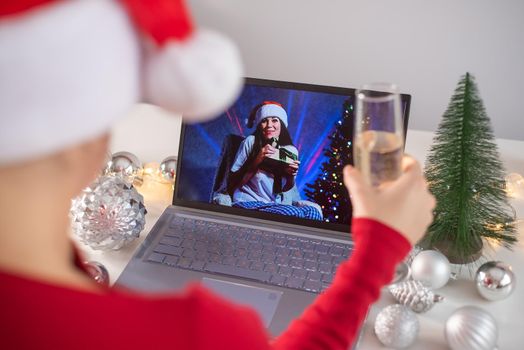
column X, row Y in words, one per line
column 194, row 72
column 69, row 69
column 206, row 89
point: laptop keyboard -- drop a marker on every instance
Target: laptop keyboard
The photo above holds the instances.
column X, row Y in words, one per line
column 264, row 256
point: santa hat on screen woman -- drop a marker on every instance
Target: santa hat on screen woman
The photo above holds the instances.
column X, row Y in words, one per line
column 69, row 68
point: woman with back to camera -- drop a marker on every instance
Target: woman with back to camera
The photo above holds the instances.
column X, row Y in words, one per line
column 53, row 141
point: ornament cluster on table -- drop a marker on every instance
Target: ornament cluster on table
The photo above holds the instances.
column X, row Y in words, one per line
column 429, row 270
column 128, row 165
column 110, row 213
column 469, row 327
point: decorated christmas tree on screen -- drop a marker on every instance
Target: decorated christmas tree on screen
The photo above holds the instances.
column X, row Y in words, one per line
column 328, row 189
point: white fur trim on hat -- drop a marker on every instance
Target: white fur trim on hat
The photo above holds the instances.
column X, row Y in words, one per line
column 67, row 71
column 271, row 110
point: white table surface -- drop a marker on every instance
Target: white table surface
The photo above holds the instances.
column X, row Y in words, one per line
column 509, row 313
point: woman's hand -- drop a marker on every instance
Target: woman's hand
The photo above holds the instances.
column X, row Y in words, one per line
column 266, row 151
column 404, row 204
column 292, row 168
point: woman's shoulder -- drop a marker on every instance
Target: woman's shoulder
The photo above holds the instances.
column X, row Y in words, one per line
column 249, row 139
column 248, row 142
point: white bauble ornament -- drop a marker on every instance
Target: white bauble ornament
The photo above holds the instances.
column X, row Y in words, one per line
column 471, row 328
column 431, row 268
column 396, row 326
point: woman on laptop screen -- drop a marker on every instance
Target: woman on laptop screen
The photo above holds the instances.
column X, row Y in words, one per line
column 263, row 173
column 56, row 109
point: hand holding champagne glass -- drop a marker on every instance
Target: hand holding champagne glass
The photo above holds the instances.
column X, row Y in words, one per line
column 379, row 134
column 379, row 144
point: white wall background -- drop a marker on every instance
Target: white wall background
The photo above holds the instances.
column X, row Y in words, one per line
column 423, row 46
column 149, row 132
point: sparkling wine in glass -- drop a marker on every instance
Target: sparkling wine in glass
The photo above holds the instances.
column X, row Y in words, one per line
column 379, row 134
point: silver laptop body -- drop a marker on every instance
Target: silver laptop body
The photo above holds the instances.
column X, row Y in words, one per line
column 168, row 259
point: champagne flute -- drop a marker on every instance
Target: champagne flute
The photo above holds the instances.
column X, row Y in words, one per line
column 379, row 142
column 379, row 134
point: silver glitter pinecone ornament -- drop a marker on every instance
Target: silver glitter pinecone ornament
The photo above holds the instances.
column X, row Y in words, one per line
column 108, row 214
column 431, row 268
column 396, row 326
column 471, row 328
column 495, row 280
column 415, row 295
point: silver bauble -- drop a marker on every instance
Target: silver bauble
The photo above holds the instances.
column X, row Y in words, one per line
column 402, row 273
column 125, row 164
column 415, row 295
column 108, row 214
column 431, row 268
column 98, row 272
column 168, row 168
column 471, row 328
column 495, row 280
column 396, row 326
column 412, row 254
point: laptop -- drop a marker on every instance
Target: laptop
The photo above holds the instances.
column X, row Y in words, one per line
column 278, row 256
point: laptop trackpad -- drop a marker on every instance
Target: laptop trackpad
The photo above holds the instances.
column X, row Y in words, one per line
column 263, row 300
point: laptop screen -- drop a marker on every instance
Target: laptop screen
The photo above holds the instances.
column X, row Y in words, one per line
column 277, row 153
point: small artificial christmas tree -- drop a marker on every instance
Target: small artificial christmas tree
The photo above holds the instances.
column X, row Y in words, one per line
column 465, row 175
column 328, row 189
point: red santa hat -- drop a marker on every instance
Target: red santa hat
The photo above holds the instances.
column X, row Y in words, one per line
column 68, row 69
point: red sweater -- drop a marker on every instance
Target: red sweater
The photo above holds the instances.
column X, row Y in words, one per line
column 35, row 314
